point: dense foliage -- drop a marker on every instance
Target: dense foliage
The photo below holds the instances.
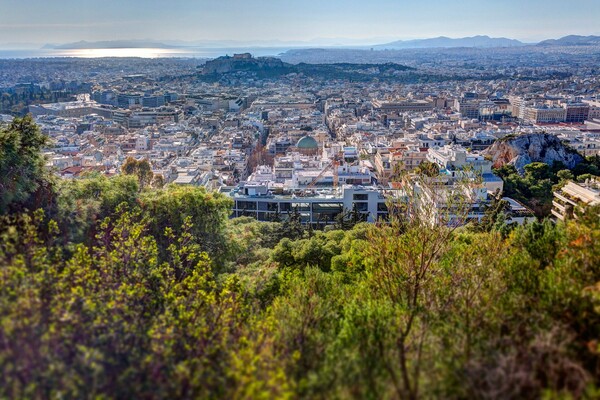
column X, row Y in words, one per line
column 113, row 291
column 536, row 186
column 22, row 172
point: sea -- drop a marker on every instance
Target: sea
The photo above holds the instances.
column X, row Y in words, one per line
column 187, row 52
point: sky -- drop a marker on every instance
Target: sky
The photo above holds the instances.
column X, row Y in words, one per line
column 344, row 21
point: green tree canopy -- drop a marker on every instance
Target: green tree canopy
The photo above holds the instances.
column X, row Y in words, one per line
column 24, row 181
column 141, row 169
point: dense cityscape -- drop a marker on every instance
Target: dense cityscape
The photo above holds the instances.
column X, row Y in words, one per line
column 299, row 200
column 280, row 137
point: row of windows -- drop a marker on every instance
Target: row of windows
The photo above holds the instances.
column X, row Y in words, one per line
column 327, row 208
column 270, row 206
column 304, row 216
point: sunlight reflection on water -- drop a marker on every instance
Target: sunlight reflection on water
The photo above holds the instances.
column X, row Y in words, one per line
column 187, row 52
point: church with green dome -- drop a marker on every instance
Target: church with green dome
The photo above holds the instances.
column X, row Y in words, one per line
column 307, row 145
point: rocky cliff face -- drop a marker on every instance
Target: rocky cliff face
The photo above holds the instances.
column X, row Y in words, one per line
column 536, row 147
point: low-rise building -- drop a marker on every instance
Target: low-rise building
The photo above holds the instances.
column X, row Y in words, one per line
column 575, row 197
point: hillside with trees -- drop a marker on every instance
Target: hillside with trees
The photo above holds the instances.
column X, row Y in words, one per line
column 122, row 288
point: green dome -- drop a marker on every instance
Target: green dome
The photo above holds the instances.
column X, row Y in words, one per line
column 307, row 142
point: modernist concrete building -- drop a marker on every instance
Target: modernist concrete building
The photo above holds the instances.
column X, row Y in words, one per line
column 256, row 200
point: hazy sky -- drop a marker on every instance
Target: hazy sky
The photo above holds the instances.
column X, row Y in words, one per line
column 59, row 21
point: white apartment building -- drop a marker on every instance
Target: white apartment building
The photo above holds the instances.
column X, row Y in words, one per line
column 455, row 162
column 545, row 114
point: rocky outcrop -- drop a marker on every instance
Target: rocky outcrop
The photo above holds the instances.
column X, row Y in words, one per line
column 535, row 147
column 242, row 62
column 272, row 68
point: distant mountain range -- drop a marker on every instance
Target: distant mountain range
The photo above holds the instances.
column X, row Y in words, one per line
column 172, row 44
column 446, row 42
column 480, row 41
column 572, row 40
column 111, row 44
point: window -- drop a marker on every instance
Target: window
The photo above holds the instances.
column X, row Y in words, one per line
column 301, row 206
column 267, row 206
column 246, row 205
column 264, row 216
column 361, row 207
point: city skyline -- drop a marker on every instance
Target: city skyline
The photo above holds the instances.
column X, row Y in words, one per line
column 348, row 22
